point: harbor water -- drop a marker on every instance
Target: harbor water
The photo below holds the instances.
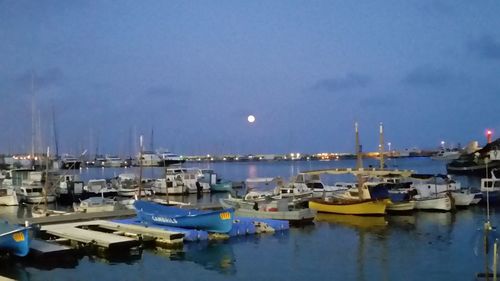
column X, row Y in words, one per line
column 419, row 246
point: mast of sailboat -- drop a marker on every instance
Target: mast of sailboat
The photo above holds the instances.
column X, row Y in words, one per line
column 33, row 125
column 45, row 186
column 359, row 161
column 56, row 141
column 381, row 146
column 140, row 166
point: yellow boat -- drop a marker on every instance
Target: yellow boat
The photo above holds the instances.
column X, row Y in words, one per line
column 350, row 207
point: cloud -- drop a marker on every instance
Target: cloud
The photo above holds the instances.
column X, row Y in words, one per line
column 349, row 82
column 485, row 47
column 428, row 76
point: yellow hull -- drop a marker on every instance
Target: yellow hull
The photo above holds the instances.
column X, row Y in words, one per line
column 351, row 208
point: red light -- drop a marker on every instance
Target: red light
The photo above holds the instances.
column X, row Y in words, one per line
column 488, row 132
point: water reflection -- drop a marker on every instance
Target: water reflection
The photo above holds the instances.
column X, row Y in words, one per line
column 364, row 223
column 218, row 257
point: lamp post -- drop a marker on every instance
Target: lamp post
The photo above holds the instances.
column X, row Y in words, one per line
column 442, row 145
column 389, row 146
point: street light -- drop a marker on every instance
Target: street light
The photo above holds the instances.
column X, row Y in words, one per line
column 442, row 145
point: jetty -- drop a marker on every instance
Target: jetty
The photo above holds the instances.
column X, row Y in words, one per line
column 111, row 235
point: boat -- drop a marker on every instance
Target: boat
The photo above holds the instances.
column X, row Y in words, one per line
column 402, row 206
column 438, row 202
column 219, row 221
column 112, row 161
column 278, row 209
column 446, row 155
column 477, row 163
column 148, row 159
column 127, row 184
column 167, row 186
column 349, row 207
column 189, row 177
column 490, row 189
column 14, row 239
column 8, row 197
column 95, row 204
column 70, row 162
column 98, row 187
column 216, row 184
column 168, row 158
column 33, row 194
column 69, row 189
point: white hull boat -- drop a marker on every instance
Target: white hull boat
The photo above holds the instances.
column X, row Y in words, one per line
column 8, row 197
column 462, row 198
column 437, row 203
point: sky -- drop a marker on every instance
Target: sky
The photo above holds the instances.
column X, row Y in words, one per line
column 186, row 74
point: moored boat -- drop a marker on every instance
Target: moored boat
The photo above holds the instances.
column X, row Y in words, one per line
column 220, row 221
column 439, row 202
column 402, row 206
column 350, row 207
column 14, row 239
column 278, row 209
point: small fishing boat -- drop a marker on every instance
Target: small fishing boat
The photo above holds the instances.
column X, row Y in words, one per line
column 438, row 202
column 95, row 204
column 214, row 221
column 8, row 197
column 402, row 206
column 278, row 209
column 14, row 239
column 350, row 207
column 221, row 186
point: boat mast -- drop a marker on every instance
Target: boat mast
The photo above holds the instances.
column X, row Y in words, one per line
column 56, row 142
column 45, row 186
column 140, row 166
column 381, row 146
column 33, row 125
column 359, row 162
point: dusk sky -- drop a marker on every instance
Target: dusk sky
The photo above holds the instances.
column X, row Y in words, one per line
column 192, row 71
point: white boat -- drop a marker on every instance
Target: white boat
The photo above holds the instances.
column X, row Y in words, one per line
column 190, row 178
column 314, row 183
column 95, row 204
column 127, row 185
column 174, row 187
column 113, row 161
column 33, row 194
column 70, row 162
column 446, row 155
column 99, row 187
column 463, row 198
column 438, row 202
column 8, row 197
column 148, row 159
column 169, row 158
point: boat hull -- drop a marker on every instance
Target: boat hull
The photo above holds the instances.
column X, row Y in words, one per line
column 15, row 240
column 213, row 221
column 221, row 187
column 366, row 207
column 401, row 206
column 434, row 204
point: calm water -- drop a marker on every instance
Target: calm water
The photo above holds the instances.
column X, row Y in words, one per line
column 423, row 246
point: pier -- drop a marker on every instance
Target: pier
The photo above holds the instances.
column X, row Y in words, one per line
column 111, row 235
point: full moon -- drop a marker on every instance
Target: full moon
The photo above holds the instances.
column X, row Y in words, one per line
column 251, row 118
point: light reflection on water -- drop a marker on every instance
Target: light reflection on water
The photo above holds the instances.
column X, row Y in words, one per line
column 432, row 246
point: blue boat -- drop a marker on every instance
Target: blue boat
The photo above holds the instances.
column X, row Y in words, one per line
column 220, row 221
column 221, row 186
column 14, row 239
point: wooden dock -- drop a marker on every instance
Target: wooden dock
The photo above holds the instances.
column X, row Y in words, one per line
column 74, row 217
column 111, row 235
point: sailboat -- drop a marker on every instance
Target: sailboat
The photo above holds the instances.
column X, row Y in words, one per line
column 362, row 205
